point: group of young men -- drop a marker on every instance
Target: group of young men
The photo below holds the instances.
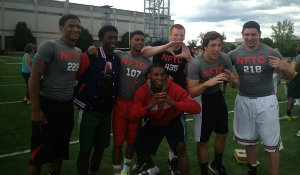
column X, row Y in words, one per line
column 157, row 83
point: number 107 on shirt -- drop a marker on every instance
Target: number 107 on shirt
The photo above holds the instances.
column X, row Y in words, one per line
column 133, row 72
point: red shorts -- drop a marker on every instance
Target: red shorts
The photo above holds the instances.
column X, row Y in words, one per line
column 123, row 128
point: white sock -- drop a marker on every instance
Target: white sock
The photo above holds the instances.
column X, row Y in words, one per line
column 171, row 155
column 153, row 171
column 254, row 165
column 126, row 164
column 117, row 169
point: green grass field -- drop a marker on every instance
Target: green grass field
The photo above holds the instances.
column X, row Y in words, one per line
column 15, row 132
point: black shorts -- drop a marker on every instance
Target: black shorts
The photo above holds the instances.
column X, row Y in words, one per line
column 151, row 136
column 51, row 141
column 294, row 87
column 214, row 115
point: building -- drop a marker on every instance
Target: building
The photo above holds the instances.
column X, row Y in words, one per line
column 42, row 18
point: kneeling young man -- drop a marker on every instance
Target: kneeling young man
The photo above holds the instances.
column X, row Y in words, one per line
column 162, row 101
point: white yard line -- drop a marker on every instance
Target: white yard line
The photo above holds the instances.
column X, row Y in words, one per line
column 11, row 66
column 13, row 63
column 15, row 153
column 28, row 150
column 10, row 102
column 10, row 57
column 73, row 142
column 282, row 102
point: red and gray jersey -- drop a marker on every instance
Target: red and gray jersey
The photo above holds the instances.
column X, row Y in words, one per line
column 62, row 64
column 132, row 73
column 202, row 70
column 254, row 71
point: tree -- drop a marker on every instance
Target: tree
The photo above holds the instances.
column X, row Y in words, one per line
column 85, row 40
column 283, row 33
column 287, row 48
column 283, row 30
column 267, row 41
column 192, row 43
column 22, row 36
column 125, row 40
column 226, row 47
column 201, row 36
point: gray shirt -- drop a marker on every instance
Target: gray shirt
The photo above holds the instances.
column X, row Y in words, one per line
column 62, row 64
column 254, row 71
column 202, row 70
column 298, row 58
column 132, row 73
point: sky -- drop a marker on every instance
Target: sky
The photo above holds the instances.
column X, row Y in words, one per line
column 223, row 16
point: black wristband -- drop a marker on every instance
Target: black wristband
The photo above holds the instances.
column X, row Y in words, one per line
column 148, row 109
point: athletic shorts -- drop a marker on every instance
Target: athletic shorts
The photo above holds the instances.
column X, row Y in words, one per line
column 214, row 115
column 123, row 128
column 294, row 87
column 94, row 130
column 197, row 119
column 151, row 136
column 50, row 141
column 254, row 117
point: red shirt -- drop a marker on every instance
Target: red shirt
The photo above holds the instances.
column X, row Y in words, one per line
column 162, row 114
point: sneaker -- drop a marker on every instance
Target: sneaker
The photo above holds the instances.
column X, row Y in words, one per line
column 139, row 167
column 28, row 102
column 221, row 171
column 124, row 173
column 251, row 170
column 288, row 118
column 298, row 133
column 203, row 168
column 25, row 99
column 173, row 165
column 146, row 173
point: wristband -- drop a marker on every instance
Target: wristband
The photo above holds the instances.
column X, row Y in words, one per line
column 148, row 109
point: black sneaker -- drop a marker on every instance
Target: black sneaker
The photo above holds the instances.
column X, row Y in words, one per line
column 218, row 171
column 251, row 169
column 173, row 165
column 146, row 173
column 139, row 167
column 203, row 168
